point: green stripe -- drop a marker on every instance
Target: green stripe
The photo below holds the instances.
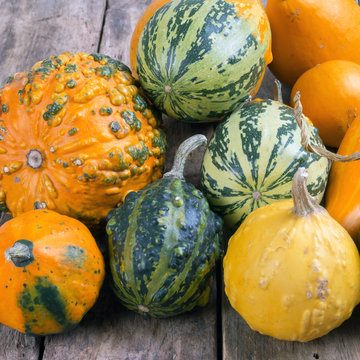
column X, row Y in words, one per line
column 258, row 149
column 208, row 56
column 163, row 243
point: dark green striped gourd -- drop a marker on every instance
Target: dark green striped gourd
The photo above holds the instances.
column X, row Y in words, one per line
column 252, row 158
column 163, row 244
column 197, row 60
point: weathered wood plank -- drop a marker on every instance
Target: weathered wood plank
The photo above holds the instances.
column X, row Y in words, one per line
column 31, row 31
column 240, row 342
column 110, row 331
column 34, row 30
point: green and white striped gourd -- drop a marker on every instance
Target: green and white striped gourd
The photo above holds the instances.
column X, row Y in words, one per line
column 163, row 244
column 252, row 158
column 197, row 60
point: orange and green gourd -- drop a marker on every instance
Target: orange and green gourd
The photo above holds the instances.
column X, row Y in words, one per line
column 51, row 272
column 75, row 137
column 197, row 60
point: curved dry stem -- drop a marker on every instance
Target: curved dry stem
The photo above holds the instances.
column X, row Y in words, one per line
column 182, row 154
column 305, row 138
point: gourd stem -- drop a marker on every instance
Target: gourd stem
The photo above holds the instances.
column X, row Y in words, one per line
column 304, row 203
column 305, row 139
column 18, row 253
column 34, row 159
column 182, row 153
column 277, row 91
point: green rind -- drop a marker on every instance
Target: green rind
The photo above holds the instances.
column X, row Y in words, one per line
column 258, row 148
column 163, row 242
column 211, row 59
column 42, row 302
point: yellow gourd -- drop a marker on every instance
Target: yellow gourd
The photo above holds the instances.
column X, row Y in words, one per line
column 291, row 271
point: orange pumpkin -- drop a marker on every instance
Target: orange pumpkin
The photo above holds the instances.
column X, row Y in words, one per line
column 330, row 95
column 144, row 18
column 343, row 191
column 76, row 137
column 307, row 32
column 51, row 272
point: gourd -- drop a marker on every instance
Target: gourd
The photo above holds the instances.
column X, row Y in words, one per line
column 163, row 244
column 252, row 158
column 307, row 32
column 76, row 136
column 343, row 191
column 51, row 272
column 290, row 270
column 330, row 94
column 144, row 18
column 197, row 60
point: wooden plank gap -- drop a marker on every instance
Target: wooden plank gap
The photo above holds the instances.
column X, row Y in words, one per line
column 102, row 26
column 41, row 347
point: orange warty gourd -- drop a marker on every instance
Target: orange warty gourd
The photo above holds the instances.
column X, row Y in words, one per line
column 307, row 32
column 330, row 95
column 76, row 137
column 292, row 271
column 144, row 18
column 51, row 272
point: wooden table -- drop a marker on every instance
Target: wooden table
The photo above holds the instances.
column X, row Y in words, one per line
column 34, row 30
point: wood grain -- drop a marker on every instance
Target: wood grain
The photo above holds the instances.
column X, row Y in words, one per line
column 240, row 342
column 34, row 30
column 111, row 332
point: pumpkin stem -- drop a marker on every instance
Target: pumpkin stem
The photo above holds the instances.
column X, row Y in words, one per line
column 20, row 253
column 34, row 159
column 304, row 203
column 305, row 139
column 277, row 91
column 182, row 154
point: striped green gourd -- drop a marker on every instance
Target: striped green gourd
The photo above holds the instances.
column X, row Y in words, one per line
column 197, row 60
column 163, row 244
column 252, row 158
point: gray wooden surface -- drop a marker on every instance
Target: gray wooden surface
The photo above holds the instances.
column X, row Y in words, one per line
column 33, row 30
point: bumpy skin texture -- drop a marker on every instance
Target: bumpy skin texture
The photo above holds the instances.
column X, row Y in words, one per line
column 76, row 137
column 330, row 95
column 252, row 158
column 53, row 290
column 197, row 60
column 308, row 32
column 291, row 277
column 163, row 244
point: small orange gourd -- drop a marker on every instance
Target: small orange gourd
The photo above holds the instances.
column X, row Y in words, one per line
column 290, row 270
column 144, row 18
column 330, row 95
column 307, row 32
column 51, row 272
column 76, row 137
